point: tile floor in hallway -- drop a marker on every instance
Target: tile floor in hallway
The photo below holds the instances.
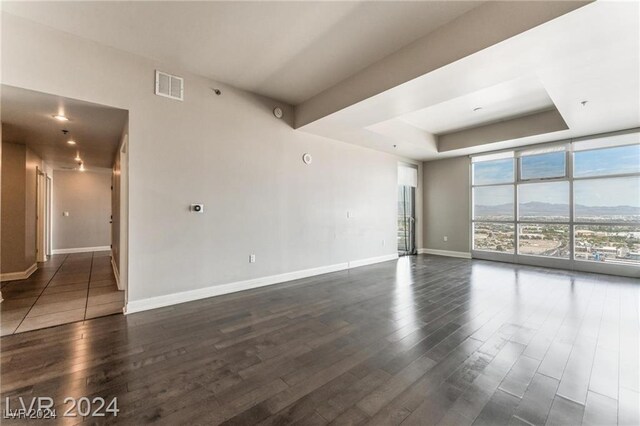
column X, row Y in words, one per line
column 65, row 289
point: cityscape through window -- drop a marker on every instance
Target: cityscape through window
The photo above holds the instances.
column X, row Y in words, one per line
column 562, row 202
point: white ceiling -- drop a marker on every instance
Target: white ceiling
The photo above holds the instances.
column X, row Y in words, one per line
column 591, row 53
column 289, row 51
column 27, row 118
column 295, row 50
column 521, row 96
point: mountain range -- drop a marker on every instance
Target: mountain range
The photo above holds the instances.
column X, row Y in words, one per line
column 536, row 208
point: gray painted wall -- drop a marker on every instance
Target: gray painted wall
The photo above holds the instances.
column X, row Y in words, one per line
column 228, row 152
column 446, row 204
column 87, row 198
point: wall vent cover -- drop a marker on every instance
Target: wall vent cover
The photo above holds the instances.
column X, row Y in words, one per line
column 169, row 86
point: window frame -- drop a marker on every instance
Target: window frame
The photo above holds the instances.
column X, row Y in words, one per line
column 540, row 260
column 519, row 158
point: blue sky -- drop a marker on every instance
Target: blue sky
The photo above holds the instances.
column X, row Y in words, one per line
column 623, row 159
column 608, row 192
column 552, row 192
column 598, row 192
column 489, row 172
column 547, row 165
column 493, row 195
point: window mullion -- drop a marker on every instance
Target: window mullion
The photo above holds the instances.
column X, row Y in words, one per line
column 572, row 204
column 516, row 231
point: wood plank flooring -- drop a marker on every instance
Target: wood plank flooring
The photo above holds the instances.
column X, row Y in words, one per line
column 426, row 340
column 67, row 288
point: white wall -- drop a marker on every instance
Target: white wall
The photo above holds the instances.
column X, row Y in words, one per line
column 86, row 196
column 227, row 152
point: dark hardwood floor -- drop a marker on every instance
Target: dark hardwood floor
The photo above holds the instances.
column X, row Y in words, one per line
column 425, row 340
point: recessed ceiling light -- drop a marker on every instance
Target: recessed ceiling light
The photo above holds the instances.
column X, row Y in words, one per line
column 477, row 109
column 71, row 142
column 60, row 118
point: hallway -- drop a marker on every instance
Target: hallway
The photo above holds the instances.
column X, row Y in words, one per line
column 67, row 288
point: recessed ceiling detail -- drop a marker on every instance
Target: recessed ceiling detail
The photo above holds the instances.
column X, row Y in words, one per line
column 530, row 87
column 477, row 138
column 502, row 101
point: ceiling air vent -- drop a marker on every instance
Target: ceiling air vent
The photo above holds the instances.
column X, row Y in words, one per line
column 169, row 86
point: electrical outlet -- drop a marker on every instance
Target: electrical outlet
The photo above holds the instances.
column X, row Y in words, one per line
column 349, row 215
column 445, row 238
column 252, row 258
column 384, row 243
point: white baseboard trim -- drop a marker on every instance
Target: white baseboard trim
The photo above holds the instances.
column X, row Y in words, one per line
column 115, row 272
column 218, row 290
column 21, row 275
column 80, row 250
column 372, row 260
column 460, row 254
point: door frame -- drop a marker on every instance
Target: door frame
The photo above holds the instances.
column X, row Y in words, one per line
column 411, row 249
column 48, row 216
column 41, row 215
column 123, row 269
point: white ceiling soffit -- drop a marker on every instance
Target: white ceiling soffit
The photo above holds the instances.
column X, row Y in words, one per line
column 521, row 96
column 27, row 119
column 288, row 51
column 592, row 53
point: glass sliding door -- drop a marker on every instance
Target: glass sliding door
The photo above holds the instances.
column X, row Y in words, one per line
column 406, row 220
column 407, row 183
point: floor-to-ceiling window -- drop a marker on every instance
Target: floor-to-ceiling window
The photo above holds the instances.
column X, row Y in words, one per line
column 573, row 204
